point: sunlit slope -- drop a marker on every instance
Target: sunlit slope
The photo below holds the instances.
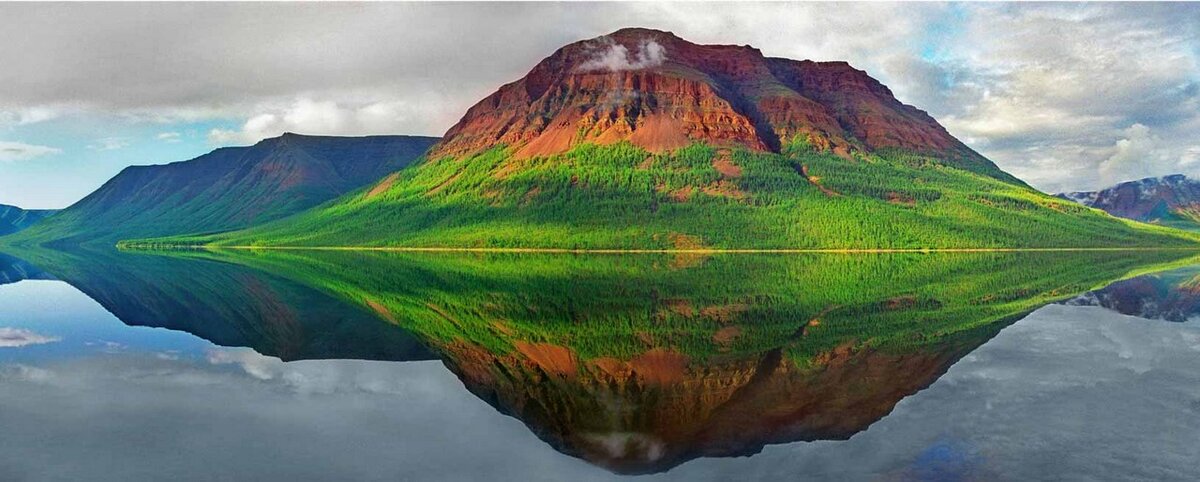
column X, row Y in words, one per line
column 623, row 197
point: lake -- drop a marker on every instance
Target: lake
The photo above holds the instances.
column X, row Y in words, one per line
column 347, row 365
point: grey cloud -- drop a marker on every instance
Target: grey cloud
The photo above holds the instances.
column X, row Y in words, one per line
column 1046, row 90
column 166, row 62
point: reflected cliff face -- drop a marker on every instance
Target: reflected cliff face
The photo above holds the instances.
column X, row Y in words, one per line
column 633, row 363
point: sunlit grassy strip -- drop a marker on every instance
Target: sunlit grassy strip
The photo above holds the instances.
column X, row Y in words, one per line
column 449, row 249
column 607, row 306
column 622, row 198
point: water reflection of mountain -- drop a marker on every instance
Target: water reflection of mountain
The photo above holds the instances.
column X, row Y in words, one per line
column 633, row 363
column 229, row 305
column 640, row 363
column 1170, row 296
column 13, row 269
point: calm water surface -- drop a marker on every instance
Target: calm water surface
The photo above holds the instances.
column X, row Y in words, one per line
column 384, row 366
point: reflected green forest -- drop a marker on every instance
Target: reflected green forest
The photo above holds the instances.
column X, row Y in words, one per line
column 635, row 363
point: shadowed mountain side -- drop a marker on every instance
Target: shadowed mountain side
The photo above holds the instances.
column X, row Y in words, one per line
column 229, row 305
column 641, row 363
column 13, row 219
column 229, row 188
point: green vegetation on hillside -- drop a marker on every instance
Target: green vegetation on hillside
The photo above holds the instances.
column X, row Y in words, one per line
column 226, row 189
column 621, row 306
column 14, row 219
column 621, row 197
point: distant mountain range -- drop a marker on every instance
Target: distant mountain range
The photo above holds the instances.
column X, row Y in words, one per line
column 640, row 139
column 634, row 140
column 1169, row 200
column 13, row 219
column 229, row 188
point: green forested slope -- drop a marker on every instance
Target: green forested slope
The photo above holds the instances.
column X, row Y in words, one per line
column 622, row 197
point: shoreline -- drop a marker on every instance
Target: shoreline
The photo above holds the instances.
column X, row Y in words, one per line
column 652, row 251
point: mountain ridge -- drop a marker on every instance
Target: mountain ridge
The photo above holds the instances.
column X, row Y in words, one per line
column 228, row 188
column 14, row 219
column 660, row 92
column 641, row 140
column 1172, row 200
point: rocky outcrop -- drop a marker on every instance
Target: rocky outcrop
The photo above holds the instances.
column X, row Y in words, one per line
column 661, row 92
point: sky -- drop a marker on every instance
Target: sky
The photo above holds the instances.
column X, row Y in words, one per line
column 1064, row 96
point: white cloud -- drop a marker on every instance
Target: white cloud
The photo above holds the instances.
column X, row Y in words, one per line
column 308, row 116
column 28, row 115
column 1139, row 154
column 109, row 144
column 20, row 337
column 313, row 376
column 168, row 137
column 1046, row 90
column 1066, row 82
column 17, row 151
column 615, row 57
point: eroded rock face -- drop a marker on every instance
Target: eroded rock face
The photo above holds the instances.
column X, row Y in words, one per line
column 661, row 92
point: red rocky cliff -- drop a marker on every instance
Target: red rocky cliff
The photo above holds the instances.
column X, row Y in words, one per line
column 661, row 92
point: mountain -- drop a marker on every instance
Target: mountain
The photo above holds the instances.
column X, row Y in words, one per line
column 229, row 188
column 660, row 92
column 641, row 139
column 1170, row 200
column 13, row 219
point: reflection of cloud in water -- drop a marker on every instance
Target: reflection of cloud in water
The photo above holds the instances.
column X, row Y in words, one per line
column 314, row 376
column 1069, row 391
column 19, row 337
column 25, row 373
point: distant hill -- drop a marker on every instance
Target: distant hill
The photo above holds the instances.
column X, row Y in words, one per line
column 13, row 219
column 229, row 188
column 640, row 139
column 1170, row 200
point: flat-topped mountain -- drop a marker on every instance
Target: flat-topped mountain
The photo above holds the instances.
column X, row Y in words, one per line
column 13, row 219
column 1171, row 200
column 643, row 140
column 660, row 92
column 229, row 188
